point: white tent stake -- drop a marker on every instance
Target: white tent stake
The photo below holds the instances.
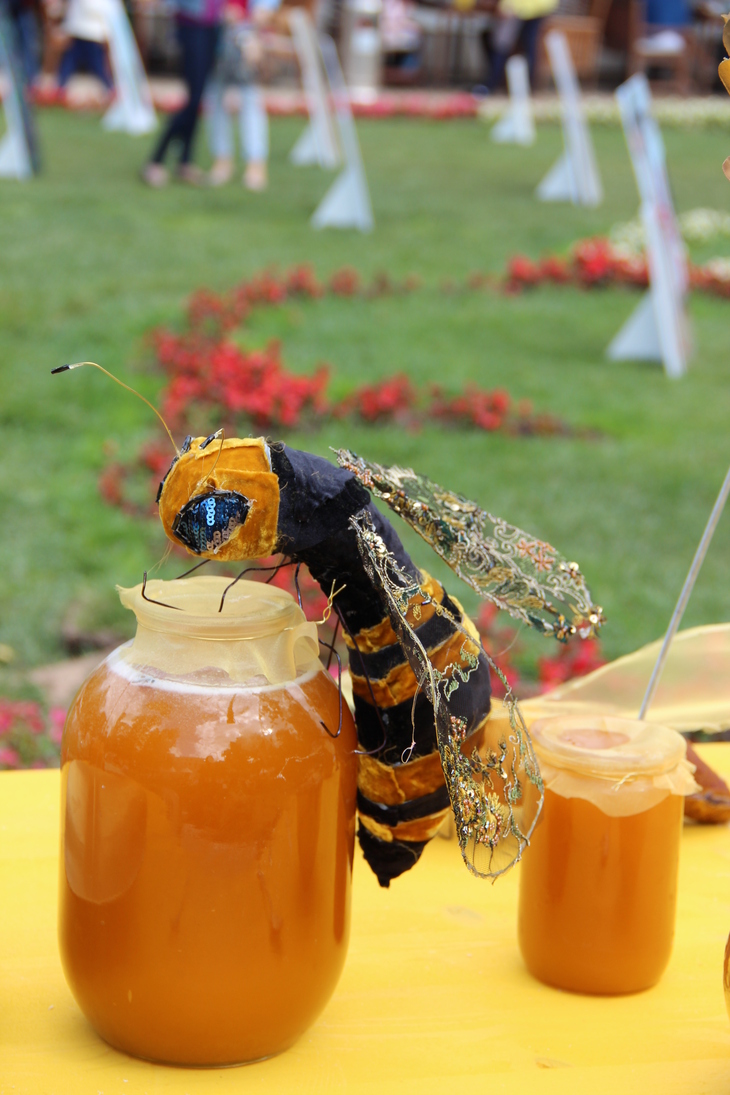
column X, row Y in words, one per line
column 686, row 593
column 317, row 143
column 132, row 111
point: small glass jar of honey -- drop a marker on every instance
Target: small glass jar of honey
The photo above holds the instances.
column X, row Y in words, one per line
column 208, row 819
column 598, row 883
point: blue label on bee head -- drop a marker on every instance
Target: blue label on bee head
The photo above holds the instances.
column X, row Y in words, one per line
column 207, row 522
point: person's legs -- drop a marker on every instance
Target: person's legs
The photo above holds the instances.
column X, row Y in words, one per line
column 254, row 124
column 201, row 61
column 254, row 137
column 198, row 54
column 96, row 62
column 29, row 38
column 504, row 37
column 220, row 137
column 69, row 62
column 177, row 122
column 530, row 37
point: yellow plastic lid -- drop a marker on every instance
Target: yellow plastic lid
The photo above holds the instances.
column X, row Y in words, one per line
column 250, row 609
column 606, row 747
column 261, row 637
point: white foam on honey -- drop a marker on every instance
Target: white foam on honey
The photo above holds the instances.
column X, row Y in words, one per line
column 135, row 675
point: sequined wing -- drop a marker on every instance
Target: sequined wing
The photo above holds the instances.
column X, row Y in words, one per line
column 487, row 787
column 521, row 574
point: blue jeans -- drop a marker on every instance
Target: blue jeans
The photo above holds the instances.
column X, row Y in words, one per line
column 252, row 120
column 199, row 43
column 524, row 31
column 26, row 26
column 89, row 56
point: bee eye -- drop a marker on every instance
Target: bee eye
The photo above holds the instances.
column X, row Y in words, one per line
column 208, row 521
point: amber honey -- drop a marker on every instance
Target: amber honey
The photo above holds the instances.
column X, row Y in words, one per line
column 598, row 895
column 207, row 860
column 598, row 883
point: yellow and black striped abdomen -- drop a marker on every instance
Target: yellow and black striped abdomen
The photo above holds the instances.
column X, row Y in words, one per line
column 402, row 797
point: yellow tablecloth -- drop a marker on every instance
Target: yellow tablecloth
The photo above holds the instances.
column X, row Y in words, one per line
column 434, row 999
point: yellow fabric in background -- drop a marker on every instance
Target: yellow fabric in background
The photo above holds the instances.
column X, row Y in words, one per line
column 434, row 999
column 527, row 9
column 693, row 691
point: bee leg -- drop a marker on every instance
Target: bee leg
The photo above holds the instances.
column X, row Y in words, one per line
column 331, row 648
column 196, row 567
column 247, row 570
column 376, row 709
column 334, row 640
column 151, row 600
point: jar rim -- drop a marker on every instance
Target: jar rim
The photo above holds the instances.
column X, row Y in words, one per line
column 251, row 610
column 611, row 748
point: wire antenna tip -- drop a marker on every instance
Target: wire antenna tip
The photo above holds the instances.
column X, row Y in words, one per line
column 93, row 364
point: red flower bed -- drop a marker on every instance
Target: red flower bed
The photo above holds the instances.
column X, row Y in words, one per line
column 393, row 400
column 210, row 374
column 596, row 263
column 214, row 381
column 443, row 108
column 29, row 736
column 235, row 383
column 568, row 661
column 564, row 662
column 486, row 410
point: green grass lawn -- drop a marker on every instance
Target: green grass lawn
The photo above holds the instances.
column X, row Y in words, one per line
column 91, row 261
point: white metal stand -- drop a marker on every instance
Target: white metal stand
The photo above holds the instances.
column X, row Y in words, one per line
column 347, row 203
column 132, row 111
column 517, row 125
column 318, row 143
column 15, row 157
column 658, row 329
column 575, row 176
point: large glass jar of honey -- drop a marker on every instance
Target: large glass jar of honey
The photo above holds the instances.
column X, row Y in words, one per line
column 598, row 883
column 208, row 821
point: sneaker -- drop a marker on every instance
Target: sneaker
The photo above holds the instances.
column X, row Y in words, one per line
column 220, row 173
column 256, row 175
column 155, row 175
column 191, row 174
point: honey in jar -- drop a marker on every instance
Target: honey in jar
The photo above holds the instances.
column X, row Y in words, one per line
column 598, row 883
column 207, row 829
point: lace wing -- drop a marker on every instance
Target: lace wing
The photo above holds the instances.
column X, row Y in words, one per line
column 524, row 576
column 496, row 793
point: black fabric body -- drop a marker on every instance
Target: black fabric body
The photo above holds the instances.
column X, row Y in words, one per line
column 380, row 662
column 404, row 811
column 316, row 501
column 389, row 859
column 470, row 701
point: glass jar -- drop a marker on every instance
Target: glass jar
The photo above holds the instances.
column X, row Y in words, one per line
column 208, row 819
column 598, row 883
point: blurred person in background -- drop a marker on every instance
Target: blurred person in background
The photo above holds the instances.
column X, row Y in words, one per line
column 54, row 44
column 667, row 13
column 401, row 35
column 517, row 25
column 239, row 57
column 24, row 14
column 198, row 30
column 86, row 26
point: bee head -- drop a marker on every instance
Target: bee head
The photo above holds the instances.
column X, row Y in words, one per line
column 220, row 499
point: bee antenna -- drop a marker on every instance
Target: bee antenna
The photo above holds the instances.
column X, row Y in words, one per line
column 79, row 364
